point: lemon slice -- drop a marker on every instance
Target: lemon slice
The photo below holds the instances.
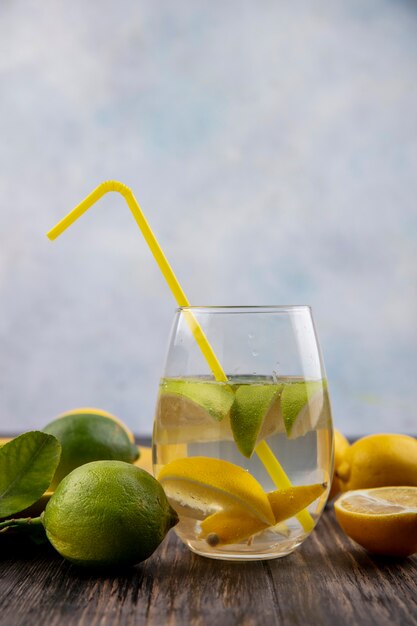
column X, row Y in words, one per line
column 302, row 405
column 382, row 520
column 232, row 525
column 254, row 406
column 207, row 484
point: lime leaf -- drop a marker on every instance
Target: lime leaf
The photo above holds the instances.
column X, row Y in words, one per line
column 249, row 412
column 27, row 465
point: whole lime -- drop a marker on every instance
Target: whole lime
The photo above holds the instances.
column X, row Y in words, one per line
column 90, row 435
column 108, row 513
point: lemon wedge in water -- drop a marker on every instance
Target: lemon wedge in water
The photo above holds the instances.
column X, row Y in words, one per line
column 233, row 524
column 206, row 485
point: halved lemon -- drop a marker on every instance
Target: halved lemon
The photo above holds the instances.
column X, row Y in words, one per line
column 382, row 520
column 204, row 484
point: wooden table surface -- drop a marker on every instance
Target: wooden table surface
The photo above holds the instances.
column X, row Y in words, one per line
column 328, row 580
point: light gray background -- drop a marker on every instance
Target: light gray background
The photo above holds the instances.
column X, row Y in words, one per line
column 273, row 147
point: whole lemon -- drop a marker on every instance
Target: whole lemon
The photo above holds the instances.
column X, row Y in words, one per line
column 341, row 445
column 90, row 435
column 382, row 460
column 108, row 513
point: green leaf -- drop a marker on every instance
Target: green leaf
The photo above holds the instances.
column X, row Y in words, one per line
column 27, row 466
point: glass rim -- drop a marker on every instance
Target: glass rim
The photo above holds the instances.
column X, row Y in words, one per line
column 244, row 308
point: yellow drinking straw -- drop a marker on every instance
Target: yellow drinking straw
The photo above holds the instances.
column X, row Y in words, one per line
column 264, row 452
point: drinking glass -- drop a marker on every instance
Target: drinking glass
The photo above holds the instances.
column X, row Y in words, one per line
column 246, row 457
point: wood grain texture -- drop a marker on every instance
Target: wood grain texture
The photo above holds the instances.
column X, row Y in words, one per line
column 328, row 580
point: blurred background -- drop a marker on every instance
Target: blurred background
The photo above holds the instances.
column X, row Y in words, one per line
column 273, row 148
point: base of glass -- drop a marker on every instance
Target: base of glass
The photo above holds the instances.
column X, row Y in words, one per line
column 246, row 555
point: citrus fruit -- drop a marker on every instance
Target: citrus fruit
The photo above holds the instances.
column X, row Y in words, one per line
column 301, row 405
column 206, row 484
column 341, row 444
column 379, row 461
column 145, row 459
column 382, row 520
column 234, row 524
column 89, row 435
column 254, row 406
column 108, row 513
column 193, row 410
column 211, row 397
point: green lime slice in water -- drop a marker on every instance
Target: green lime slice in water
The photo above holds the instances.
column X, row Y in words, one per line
column 301, row 405
column 213, row 398
column 254, row 414
column 193, row 410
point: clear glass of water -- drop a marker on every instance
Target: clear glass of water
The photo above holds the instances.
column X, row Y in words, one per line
column 246, row 460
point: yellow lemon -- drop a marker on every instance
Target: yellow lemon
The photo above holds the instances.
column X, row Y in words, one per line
column 379, row 461
column 205, row 484
column 341, row 444
column 233, row 524
column 382, row 520
column 145, row 459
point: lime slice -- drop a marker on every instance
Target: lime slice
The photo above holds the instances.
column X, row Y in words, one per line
column 190, row 410
column 255, row 406
column 206, row 484
column 211, row 397
column 233, row 524
column 301, row 405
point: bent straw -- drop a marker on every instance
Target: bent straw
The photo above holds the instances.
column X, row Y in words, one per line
column 264, row 452
column 162, row 261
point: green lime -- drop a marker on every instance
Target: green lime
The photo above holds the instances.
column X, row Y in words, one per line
column 254, row 414
column 90, row 435
column 301, row 406
column 202, row 397
column 108, row 513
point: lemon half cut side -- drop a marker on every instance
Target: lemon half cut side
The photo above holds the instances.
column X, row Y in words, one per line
column 383, row 520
